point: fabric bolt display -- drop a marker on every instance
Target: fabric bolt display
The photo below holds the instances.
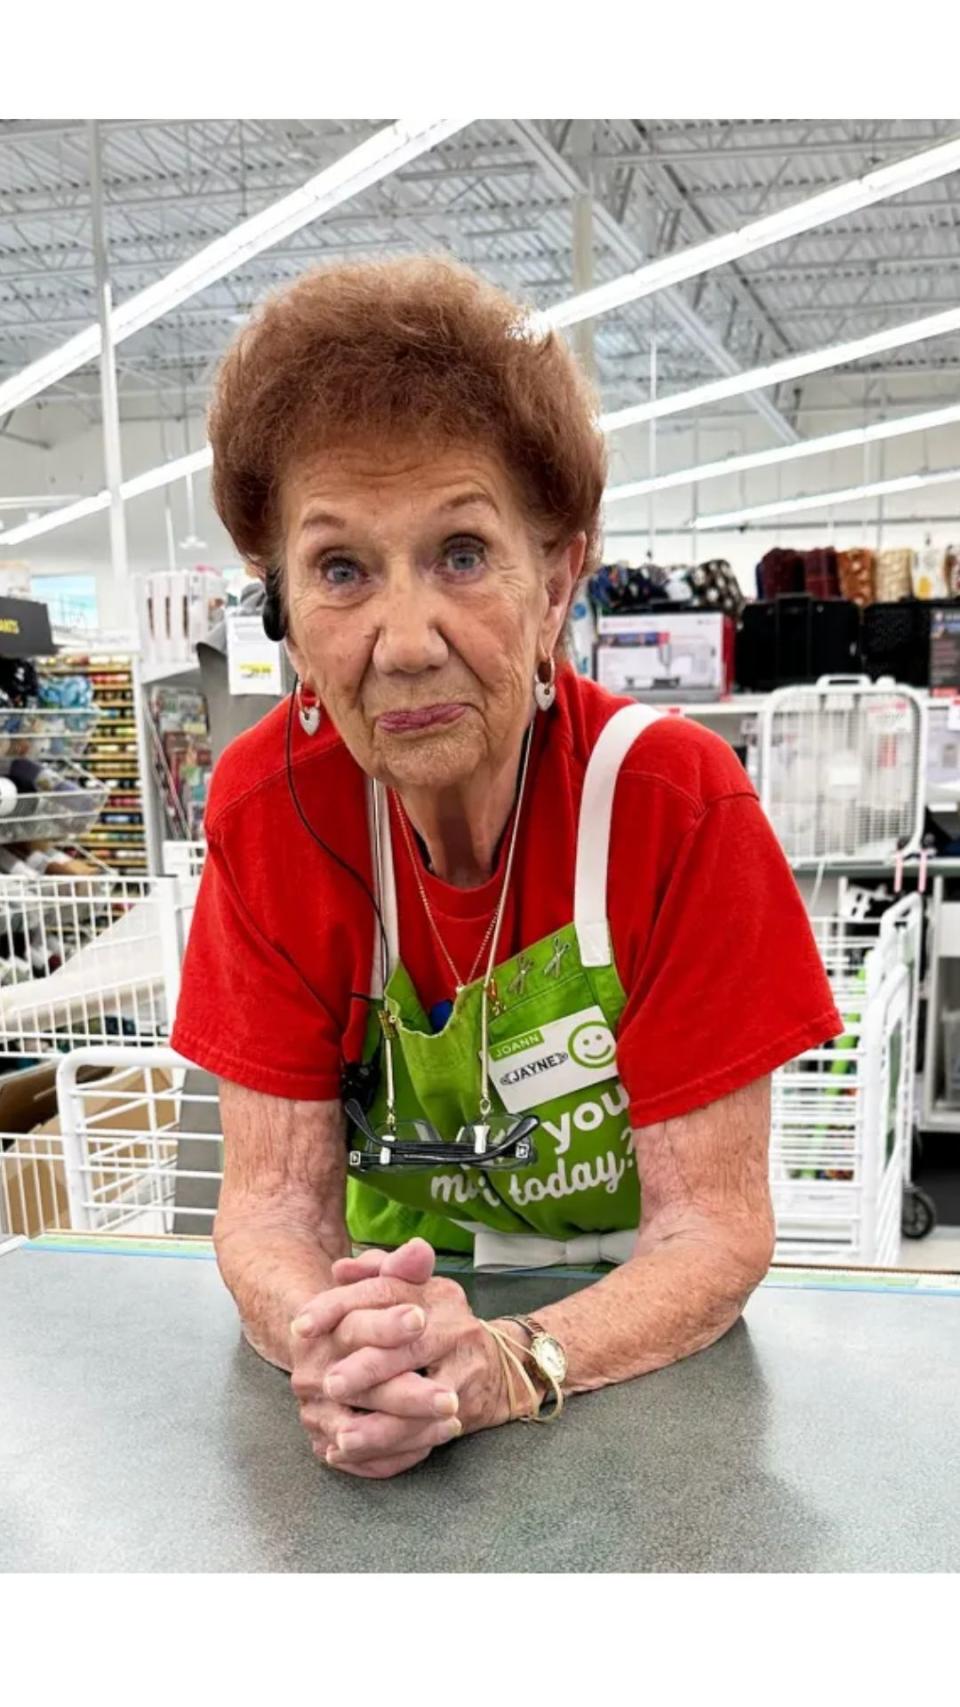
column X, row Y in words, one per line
column 930, row 572
column 894, row 576
column 857, row 569
column 618, row 589
column 821, row 575
column 715, row 587
column 780, row 571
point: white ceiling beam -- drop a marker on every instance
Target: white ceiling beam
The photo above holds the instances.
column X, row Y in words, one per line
column 375, row 159
column 562, row 176
column 778, row 373
column 824, row 500
column 792, row 221
column 853, row 439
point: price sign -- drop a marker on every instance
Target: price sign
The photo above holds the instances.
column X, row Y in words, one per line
column 253, row 661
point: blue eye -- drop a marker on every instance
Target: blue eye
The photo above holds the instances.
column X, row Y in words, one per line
column 465, row 555
column 340, row 572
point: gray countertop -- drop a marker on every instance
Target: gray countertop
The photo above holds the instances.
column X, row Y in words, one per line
column 139, row 1433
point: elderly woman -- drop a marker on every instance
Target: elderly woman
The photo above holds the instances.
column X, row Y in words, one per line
column 487, row 961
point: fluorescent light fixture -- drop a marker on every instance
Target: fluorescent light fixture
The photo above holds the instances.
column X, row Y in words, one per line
column 759, row 234
column 852, row 439
column 825, row 500
column 56, row 519
column 792, row 367
column 375, row 159
column 35, row 500
column 168, row 472
column 164, row 475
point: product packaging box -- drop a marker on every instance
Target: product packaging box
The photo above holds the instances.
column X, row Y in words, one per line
column 669, row 656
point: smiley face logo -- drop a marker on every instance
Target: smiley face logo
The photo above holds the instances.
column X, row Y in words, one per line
column 592, row 1045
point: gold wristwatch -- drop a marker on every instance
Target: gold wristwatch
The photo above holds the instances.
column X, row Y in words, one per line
column 550, row 1361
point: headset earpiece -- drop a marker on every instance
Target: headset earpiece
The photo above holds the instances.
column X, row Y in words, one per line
column 272, row 613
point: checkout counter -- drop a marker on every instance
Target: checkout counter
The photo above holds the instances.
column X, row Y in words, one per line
column 140, row 1433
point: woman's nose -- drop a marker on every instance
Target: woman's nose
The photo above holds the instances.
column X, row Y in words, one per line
column 408, row 638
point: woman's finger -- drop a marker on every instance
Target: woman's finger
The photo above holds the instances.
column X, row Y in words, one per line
column 409, row 1396
column 371, row 1365
column 394, row 1326
column 354, row 1436
column 323, row 1420
column 325, row 1312
column 413, row 1262
column 379, row 1469
column 347, row 1270
column 376, row 1435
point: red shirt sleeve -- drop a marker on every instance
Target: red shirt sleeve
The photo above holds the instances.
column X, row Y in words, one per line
column 245, row 1011
column 731, row 985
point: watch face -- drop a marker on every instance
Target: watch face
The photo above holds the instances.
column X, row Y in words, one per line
column 551, row 1357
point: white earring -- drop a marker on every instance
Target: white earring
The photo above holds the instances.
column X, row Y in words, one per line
column 545, row 692
column 308, row 710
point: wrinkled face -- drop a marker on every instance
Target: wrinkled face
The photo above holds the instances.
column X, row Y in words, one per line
column 419, row 603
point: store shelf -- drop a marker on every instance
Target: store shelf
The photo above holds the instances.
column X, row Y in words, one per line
column 185, row 675
column 113, row 754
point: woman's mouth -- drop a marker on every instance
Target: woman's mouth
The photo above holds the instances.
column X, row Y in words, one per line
column 428, row 717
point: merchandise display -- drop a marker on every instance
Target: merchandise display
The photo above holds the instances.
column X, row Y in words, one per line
column 104, row 684
column 183, row 760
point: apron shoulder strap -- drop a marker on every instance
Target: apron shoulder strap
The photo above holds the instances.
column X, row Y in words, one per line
column 593, row 834
column 378, row 819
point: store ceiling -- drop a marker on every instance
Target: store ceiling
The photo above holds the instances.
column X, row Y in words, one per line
column 500, row 197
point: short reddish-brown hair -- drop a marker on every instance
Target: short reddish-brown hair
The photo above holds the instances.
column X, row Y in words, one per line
column 385, row 350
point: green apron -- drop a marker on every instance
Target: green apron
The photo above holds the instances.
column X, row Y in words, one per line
column 552, row 1029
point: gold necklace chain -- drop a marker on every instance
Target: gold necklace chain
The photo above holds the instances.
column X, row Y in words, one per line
column 459, row 983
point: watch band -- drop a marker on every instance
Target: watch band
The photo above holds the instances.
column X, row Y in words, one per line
column 536, row 1330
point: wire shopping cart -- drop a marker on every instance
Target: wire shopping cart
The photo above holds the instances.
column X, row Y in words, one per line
column 842, row 779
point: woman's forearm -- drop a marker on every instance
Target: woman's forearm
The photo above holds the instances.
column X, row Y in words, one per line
column 677, row 1295
column 272, row 1264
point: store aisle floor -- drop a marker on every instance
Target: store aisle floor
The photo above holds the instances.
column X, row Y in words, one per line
column 941, row 1249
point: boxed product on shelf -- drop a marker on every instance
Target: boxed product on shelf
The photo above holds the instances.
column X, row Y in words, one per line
column 177, row 608
column 666, row 655
column 944, row 649
column 796, row 638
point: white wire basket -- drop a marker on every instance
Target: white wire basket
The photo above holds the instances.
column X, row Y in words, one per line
column 842, row 769
column 88, row 959
column 59, row 815
column 45, row 733
column 843, row 1115
column 133, row 1147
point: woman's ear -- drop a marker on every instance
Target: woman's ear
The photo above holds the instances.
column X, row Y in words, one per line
column 564, row 571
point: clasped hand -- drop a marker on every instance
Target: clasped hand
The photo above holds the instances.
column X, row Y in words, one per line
column 391, row 1362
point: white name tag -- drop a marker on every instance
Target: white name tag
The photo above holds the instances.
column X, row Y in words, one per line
column 550, row 1060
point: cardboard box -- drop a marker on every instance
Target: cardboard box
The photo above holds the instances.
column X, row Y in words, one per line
column 34, row 1190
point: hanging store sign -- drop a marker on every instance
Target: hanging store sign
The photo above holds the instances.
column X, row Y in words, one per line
column 25, row 629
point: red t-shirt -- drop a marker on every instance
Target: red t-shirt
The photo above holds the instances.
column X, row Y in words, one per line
column 710, row 936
